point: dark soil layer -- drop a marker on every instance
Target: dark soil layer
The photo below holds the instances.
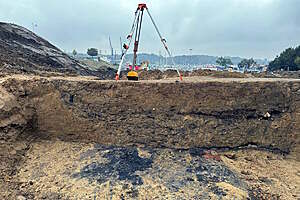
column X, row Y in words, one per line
column 163, row 114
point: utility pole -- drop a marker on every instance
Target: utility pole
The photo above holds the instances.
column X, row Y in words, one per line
column 185, row 59
column 191, row 50
column 121, row 45
column 166, row 59
column 34, row 25
column 112, row 51
column 159, row 60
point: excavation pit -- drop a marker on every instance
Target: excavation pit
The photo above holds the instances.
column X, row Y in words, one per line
column 75, row 137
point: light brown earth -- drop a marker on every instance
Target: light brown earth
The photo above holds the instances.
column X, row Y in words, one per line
column 204, row 138
column 62, row 137
column 49, row 165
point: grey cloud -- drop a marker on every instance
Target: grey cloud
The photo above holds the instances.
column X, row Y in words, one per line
column 249, row 28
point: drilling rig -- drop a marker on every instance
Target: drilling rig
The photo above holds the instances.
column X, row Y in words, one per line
column 136, row 33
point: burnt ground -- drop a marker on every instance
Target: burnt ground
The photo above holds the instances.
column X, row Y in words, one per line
column 54, row 169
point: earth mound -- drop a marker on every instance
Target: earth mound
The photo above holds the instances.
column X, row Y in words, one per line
column 22, row 51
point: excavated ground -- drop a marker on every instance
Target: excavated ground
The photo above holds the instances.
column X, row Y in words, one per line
column 204, row 138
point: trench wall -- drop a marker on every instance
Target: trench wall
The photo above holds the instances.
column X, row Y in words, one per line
column 175, row 115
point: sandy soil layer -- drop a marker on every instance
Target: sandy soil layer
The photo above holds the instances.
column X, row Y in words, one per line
column 56, row 137
column 64, row 170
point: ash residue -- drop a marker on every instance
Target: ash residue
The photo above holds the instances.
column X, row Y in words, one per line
column 170, row 168
column 212, row 172
column 122, row 165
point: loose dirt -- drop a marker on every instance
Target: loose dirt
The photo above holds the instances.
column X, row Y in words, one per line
column 57, row 147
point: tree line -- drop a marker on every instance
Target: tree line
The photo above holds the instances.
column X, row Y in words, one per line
column 288, row 60
column 245, row 63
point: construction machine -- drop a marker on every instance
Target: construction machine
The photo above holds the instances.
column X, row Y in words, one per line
column 136, row 33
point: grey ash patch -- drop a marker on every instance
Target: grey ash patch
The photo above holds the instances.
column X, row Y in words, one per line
column 210, row 172
column 123, row 163
column 207, row 172
column 173, row 169
column 213, row 172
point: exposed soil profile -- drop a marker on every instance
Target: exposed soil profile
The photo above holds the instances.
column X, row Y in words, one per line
column 204, row 138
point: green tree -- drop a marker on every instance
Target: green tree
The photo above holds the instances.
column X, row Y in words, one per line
column 297, row 62
column 247, row 63
column 287, row 60
column 223, row 61
column 243, row 63
column 74, row 52
column 92, row 52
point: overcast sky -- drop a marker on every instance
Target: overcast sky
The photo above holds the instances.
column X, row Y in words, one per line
column 247, row 28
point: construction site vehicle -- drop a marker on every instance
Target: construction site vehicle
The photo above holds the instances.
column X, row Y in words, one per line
column 136, row 33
